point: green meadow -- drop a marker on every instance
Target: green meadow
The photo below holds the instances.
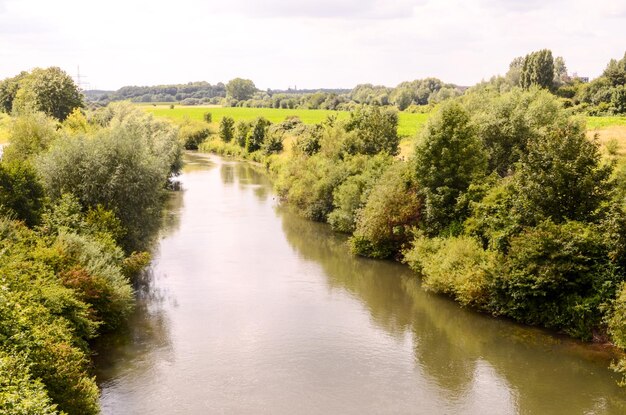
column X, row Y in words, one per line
column 409, row 123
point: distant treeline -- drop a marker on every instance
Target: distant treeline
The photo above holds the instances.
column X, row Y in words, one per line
column 605, row 95
column 243, row 93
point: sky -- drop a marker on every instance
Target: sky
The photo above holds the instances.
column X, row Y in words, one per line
column 303, row 43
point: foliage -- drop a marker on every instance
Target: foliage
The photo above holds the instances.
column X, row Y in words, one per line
column 392, row 211
column 208, row 117
column 50, row 90
column 538, row 70
column 20, row 394
column 29, row 135
column 308, row 183
column 21, row 194
column 456, row 266
column 242, row 130
column 118, row 170
column 273, row 142
column 561, row 177
column 191, row 135
column 507, row 122
column 227, row 129
column 448, row 160
column 8, row 90
column 559, row 276
column 374, row 131
column 256, row 137
column 240, row 89
column 352, row 194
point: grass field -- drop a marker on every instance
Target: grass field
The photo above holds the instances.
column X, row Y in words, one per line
column 409, row 124
column 607, row 128
column 604, row 122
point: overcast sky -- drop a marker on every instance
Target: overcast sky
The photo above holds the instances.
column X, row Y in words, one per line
column 303, row 43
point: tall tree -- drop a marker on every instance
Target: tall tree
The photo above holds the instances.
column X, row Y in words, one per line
column 51, row 91
column 448, row 159
column 538, row 69
column 240, row 89
column 615, row 71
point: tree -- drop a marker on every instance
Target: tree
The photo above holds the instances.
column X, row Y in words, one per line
column 448, row 159
column 51, row 91
column 374, row 130
column 255, row 139
column 240, row 89
column 618, row 99
column 538, row 69
column 561, row 177
column 8, row 90
column 21, row 194
column 385, row 224
column 560, row 71
column 615, row 71
column 29, row 135
column 515, row 71
column 227, row 130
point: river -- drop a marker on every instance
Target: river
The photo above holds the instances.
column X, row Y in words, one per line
column 249, row 309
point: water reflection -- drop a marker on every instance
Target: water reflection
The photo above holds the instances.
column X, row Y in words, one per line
column 470, row 357
column 250, row 309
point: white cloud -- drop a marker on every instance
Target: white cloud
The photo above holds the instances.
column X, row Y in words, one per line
column 323, row 43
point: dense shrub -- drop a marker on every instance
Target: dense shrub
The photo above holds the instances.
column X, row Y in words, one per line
column 242, row 130
column 119, row 170
column 558, row 276
column 29, row 134
column 392, row 211
column 191, row 135
column 256, row 137
column 21, row 194
column 374, row 130
column 308, row 184
column 351, row 195
column 561, row 177
column 459, row 267
column 227, row 129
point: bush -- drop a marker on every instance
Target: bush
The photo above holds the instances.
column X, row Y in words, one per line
column 351, row 195
column 116, row 170
column 20, row 394
column 459, row 267
column 242, row 130
column 308, row 183
column 208, row 117
column 274, row 141
column 392, row 211
column 227, row 130
column 29, row 135
column 256, row 138
column 558, row 276
column 374, row 130
column 192, row 135
column 21, row 194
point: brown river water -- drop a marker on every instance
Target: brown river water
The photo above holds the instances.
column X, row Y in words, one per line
column 249, row 309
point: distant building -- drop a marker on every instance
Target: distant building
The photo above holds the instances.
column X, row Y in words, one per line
column 583, row 79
